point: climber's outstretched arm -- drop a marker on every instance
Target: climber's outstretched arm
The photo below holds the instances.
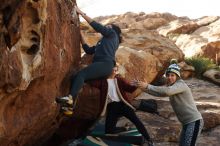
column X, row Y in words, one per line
column 87, row 18
column 105, row 31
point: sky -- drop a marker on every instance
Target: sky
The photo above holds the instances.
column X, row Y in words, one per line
column 190, row 8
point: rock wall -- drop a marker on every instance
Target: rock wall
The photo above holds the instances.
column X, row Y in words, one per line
column 39, row 48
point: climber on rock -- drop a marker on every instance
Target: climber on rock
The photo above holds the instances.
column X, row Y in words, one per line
column 182, row 102
column 103, row 60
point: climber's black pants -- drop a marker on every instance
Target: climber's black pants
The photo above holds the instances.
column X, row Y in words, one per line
column 93, row 71
column 115, row 110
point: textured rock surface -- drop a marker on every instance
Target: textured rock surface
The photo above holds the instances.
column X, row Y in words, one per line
column 137, row 64
column 187, row 71
column 141, row 20
column 39, row 47
column 150, row 41
column 212, row 75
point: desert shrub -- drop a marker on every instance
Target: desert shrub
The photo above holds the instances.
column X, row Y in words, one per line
column 200, row 64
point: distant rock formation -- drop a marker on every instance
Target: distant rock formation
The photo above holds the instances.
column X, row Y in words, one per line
column 196, row 37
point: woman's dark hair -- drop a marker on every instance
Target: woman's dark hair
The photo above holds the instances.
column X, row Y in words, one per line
column 117, row 29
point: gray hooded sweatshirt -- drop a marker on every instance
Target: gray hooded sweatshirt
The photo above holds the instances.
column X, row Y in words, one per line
column 181, row 100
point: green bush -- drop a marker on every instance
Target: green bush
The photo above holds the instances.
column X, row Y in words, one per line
column 200, row 64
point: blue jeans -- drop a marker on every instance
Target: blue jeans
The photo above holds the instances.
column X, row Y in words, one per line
column 190, row 132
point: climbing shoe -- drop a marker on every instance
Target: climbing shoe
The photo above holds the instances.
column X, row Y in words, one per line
column 65, row 101
column 67, row 111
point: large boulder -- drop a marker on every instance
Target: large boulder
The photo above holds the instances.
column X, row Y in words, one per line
column 179, row 26
column 39, row 48
column 187, row 71
column 150, row 41
column 135, row 64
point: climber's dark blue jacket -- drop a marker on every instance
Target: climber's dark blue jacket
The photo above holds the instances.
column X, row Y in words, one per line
column 106, row 47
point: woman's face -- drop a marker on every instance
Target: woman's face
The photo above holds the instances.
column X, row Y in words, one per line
column 115, row 70
column 171, row 78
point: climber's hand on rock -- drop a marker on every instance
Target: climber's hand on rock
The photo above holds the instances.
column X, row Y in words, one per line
column 87, row 18
column 79, row 11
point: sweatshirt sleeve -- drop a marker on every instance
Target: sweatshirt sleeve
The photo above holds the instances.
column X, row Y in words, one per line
column 154, row 93
column 102, row 29
column 88, row 50
column 176, row 88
